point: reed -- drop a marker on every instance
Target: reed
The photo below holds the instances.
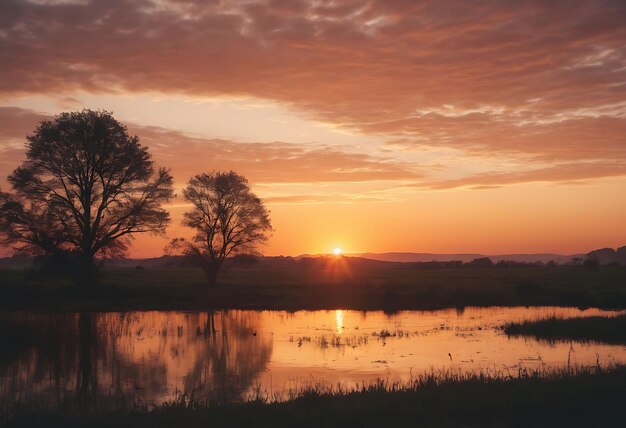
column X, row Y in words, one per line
column 578, row 396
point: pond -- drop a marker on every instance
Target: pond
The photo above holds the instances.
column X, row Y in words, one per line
column 104, row 361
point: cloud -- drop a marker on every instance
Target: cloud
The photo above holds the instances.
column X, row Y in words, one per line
column 16, row 123
column 569, row 138
column 273, row 162
column 265, row 162
column 546, row 79
column 564, row 173
column 269, row 163
column 317, row 198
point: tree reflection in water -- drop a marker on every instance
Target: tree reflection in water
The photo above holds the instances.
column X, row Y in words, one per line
column 98, row 362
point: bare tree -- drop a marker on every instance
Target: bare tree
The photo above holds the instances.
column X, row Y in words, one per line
column 85, row 188
column 228, row 219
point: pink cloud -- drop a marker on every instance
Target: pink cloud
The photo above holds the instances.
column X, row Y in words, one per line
column 516, row 75
column 273, row 162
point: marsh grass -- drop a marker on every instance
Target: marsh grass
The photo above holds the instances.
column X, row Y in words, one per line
column 611, row 330
column 572, row 396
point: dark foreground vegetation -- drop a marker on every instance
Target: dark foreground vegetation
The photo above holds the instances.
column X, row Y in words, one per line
column 338, row 284
column 570, row 398
column 610, row 330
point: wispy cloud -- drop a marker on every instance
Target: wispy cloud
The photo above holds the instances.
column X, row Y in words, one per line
column 545, row 78
column 563, row 173
column 264, row 162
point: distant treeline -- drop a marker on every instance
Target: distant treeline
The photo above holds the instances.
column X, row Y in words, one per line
column 594, row 259
column 479, row 263
column 608, row 256
column 357, row 263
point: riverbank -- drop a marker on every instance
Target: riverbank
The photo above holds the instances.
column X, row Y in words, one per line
column 294, row 289
column 583, row 397
column 611, row 330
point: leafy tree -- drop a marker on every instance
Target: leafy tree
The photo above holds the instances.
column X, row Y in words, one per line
column 228, row 219
column 85, row 188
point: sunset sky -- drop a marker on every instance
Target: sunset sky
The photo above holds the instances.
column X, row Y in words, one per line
column 370, row 126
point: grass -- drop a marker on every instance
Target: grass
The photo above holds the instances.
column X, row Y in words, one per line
column 570, row 398
column 611, row 330
column 300, row 288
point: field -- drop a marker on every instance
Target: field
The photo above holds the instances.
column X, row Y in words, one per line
column 338, row 287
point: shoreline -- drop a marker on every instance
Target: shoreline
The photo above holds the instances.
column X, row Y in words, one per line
column 589, row 396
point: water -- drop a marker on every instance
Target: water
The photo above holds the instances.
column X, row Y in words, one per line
column 104, row 361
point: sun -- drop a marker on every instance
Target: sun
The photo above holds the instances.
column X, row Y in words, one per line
column 337, row 251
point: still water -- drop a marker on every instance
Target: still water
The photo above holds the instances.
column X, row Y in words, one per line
column 101, row 361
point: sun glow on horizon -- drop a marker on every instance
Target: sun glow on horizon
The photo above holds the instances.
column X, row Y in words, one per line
column 337, row 251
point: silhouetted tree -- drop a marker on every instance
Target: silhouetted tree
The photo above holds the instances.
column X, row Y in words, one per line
column 603, row 256
column 591, row 263
column 228, row 219
column 85, row 188
column 483, row 262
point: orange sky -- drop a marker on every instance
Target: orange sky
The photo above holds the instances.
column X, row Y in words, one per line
column 366, row 125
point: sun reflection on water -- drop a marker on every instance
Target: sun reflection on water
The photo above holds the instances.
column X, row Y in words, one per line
column 339, row 320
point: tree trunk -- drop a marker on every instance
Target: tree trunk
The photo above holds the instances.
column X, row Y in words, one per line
column 212, row 277
column 211, row 266
column 85, row 271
